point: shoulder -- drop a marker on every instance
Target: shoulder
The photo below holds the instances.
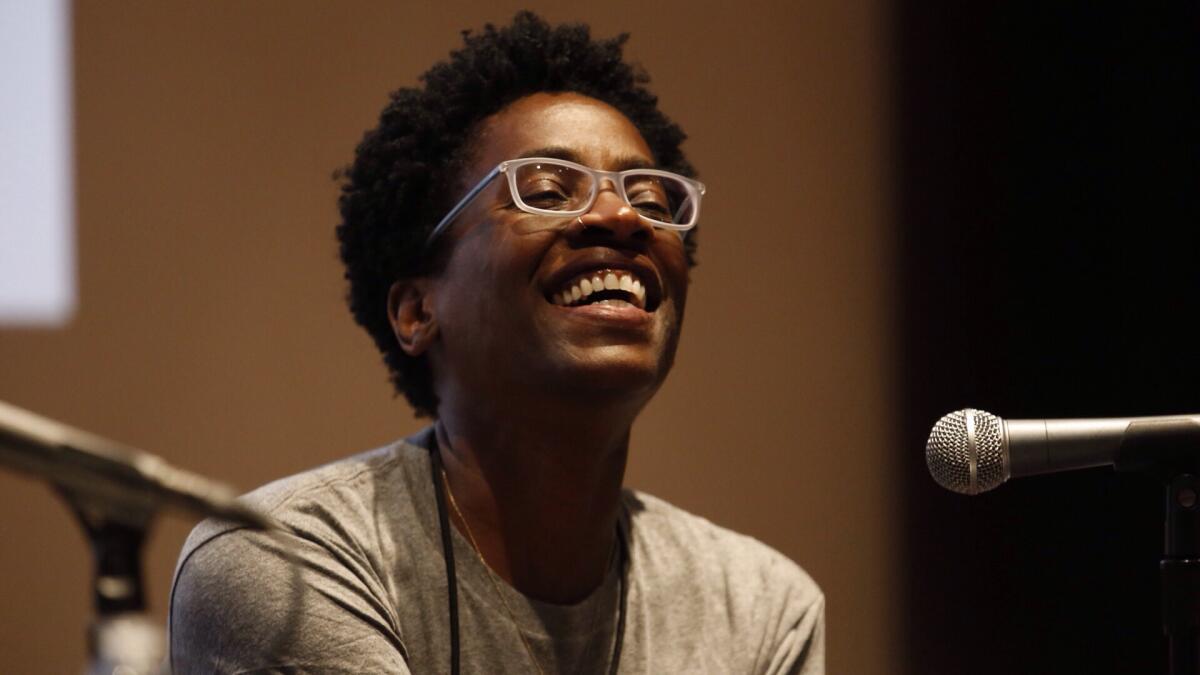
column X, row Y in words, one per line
column 730, row 587
column 233, row 586
column 330, row 498
column 666, row 531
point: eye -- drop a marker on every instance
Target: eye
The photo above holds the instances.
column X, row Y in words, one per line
column 551, row 186
column 545, row 194
column 650, row 202
column 653, row 210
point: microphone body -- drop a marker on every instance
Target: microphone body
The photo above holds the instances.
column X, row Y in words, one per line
column 1048, row 446
column 972, row 451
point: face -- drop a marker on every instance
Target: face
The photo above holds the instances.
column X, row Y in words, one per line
column 503, row 327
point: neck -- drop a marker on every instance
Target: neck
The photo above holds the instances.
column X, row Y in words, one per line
column 540, row 497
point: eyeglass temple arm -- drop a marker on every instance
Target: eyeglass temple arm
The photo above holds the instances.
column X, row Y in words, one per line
column 690, row 201
column 462, row 204
column 686, row 202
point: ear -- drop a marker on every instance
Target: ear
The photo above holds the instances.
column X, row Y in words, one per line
column 410, row 311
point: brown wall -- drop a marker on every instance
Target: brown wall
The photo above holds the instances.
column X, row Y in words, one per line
column 211, row 328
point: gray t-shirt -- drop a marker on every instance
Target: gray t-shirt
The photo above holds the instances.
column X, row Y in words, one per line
column 359, row 586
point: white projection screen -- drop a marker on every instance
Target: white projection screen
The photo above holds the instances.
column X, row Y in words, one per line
column 37, row 250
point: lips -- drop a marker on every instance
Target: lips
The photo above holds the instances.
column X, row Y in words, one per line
column 605, row 279
column 605, row 287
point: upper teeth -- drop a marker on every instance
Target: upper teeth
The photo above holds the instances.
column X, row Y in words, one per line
column 600, row 280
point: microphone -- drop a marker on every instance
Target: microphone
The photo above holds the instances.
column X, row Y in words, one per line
column 972, row 451
column 115, row 478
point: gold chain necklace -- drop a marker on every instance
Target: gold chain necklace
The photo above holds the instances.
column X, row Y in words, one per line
column 491, row 575
column 496, row 586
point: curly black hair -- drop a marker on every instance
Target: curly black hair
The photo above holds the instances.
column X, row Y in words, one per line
column 407, row 171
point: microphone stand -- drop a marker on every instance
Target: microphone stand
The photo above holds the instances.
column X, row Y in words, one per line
column 122, row 638
column 115, row 491
column 1170, row 451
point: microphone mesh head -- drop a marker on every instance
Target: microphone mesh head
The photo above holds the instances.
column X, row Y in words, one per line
column 965, row 452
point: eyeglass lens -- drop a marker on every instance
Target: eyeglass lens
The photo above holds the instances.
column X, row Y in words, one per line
column 557, row 187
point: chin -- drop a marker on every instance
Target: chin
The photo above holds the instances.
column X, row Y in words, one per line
column 614, row 371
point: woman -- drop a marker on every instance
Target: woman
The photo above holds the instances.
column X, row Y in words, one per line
column 517, row 236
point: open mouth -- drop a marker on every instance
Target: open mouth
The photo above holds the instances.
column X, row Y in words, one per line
column 604, row 287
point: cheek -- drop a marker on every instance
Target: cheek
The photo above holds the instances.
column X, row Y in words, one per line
column 672, row 260
column 480, row 259
column 458, row 303
column 489, row 276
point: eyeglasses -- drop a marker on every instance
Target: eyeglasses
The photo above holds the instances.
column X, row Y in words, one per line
column 556, row 187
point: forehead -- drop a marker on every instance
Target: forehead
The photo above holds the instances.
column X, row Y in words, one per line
column 595, row 132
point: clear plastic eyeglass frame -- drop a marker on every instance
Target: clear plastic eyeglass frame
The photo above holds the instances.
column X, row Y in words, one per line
column 693, row 188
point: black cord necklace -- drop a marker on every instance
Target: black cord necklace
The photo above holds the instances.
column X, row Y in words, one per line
column 452, row 575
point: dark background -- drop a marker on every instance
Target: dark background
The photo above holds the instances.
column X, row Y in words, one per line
column 1047, row 186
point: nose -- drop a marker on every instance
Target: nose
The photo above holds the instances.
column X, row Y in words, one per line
column 612, row 219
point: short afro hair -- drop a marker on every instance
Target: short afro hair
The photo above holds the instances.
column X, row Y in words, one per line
column 407, row 171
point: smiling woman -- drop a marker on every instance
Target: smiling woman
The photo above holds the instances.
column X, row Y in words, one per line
column 533, row 318
column 484, row 320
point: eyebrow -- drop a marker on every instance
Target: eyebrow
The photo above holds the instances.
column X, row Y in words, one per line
column 562, row 152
